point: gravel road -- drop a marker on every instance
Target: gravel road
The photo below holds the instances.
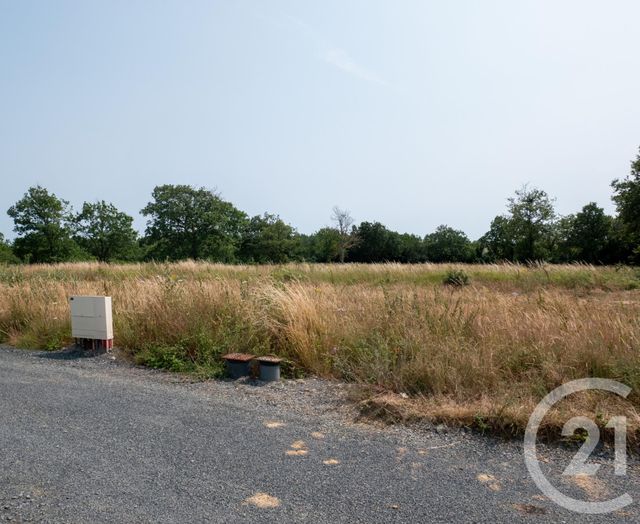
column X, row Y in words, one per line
column 97, row 440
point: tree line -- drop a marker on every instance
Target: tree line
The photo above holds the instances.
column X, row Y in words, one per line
column 185, row 222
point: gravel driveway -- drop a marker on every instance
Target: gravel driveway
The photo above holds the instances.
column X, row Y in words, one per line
column 96, row 440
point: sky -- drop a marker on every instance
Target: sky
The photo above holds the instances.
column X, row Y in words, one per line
column 411, row 113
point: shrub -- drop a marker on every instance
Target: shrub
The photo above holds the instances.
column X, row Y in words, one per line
column 456, row 277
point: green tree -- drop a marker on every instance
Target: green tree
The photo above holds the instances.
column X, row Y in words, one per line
column 498, row 243
column 44, row 225
column 6, row 253
column 106, row 233
column 411, row 248
column 589, row 234
column 323, row 245
column 185, row 222
column 621, row 248
column 448, row 245
column 626, row 195
column 375, row 244
column 531, row 221
column 268, row 239
column 564, row 249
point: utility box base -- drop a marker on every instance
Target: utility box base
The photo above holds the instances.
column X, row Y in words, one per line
column 93, row 344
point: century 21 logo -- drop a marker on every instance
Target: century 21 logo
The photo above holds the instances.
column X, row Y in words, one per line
column 579, row 465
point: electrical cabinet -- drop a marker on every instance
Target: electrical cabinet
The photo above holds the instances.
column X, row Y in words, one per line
column 91, row 318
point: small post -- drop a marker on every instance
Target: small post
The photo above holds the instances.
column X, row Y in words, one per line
column 269, row 368
column 238, row 364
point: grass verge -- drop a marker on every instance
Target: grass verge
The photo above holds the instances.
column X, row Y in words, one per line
column 481, row 354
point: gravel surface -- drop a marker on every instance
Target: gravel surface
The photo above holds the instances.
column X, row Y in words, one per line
column 97, row 440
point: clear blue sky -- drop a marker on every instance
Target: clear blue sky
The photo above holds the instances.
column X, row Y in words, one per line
column 413, row 113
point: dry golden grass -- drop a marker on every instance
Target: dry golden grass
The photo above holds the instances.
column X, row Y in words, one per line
column 481, row 355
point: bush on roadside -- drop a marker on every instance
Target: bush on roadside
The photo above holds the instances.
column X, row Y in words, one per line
column 456, row 278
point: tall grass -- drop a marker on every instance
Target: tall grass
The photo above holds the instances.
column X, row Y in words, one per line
column 487, row 351
column 498, row 276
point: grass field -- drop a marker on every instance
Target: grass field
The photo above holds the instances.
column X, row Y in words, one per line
column 480, row 355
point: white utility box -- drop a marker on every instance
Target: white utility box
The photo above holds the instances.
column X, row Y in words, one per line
column 91, row 319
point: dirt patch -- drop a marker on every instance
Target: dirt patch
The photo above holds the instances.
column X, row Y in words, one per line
column 506, row 418
column 490, row 481
column 593, row 487
column 272, row 424
column 297, row 452
column 298, row 449
column 530, row 509
column 263, row 501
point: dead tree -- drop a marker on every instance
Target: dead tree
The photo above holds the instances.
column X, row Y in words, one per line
column 343, row 221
